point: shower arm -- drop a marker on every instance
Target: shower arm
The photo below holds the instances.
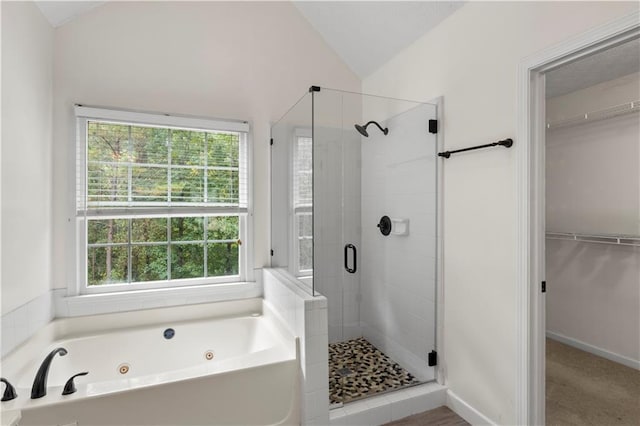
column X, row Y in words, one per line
column 379, row 126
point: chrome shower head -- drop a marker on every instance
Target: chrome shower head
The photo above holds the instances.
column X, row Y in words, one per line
column 363, row 129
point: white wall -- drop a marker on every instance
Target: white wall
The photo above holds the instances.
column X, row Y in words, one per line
column 237, row 60
column 593, row 297
column 27, row 79
column 471, row 59
column 594, row 98
column 593, row 168
column 593, row 187
column 593, row 177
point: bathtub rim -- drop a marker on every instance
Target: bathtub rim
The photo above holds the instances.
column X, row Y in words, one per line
column 70, row 327
column 55, row 397
column 285, row 350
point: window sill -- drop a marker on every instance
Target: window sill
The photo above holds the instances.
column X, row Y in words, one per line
column 94, row 304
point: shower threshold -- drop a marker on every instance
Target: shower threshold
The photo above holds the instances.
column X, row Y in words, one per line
column 358, row 370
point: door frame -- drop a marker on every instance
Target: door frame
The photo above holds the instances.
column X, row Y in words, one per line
column 530, row 303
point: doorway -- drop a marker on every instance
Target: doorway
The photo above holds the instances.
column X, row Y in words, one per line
column 592, row 239
column 532, row 297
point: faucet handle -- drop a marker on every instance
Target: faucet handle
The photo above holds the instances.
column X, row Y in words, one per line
column 9, row 391
column 70, row 387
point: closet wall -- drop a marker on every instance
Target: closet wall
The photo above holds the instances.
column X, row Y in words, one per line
column 593, row 187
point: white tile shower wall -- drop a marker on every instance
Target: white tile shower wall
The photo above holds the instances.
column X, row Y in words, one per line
column 306, row 318
column 337, row 215
column 24, row 321
column 398, row 289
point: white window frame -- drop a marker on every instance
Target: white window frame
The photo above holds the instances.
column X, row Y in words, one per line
column 78, row 219
column 295, row 211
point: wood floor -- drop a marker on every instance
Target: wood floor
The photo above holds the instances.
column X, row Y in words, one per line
column 584, row 389
column 441, row 416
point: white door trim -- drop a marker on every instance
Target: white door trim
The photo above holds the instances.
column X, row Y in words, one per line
column 530, row 397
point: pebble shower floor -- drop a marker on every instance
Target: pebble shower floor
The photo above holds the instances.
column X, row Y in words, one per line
column 357, row 369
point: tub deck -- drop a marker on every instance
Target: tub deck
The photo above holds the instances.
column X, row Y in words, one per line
column 238, row 366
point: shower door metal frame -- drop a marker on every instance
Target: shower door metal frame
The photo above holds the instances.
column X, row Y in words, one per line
column 439, row 314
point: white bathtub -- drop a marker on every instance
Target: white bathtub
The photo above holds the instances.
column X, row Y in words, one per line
column 252, row 377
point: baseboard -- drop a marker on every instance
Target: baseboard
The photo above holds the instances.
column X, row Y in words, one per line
column 620, row 359
column 466, row 411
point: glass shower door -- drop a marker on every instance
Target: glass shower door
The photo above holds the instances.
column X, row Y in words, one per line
column 380, row 286
column 398, row 221
column 292, row 193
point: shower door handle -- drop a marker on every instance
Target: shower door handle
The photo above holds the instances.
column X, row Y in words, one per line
column 346, row 258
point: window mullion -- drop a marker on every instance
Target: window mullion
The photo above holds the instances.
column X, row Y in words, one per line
column 169, row 162
column 168, row 248
column 205, row 221
column 129, row 260
column 130, row 200
column 129, row 169
column 206, row 164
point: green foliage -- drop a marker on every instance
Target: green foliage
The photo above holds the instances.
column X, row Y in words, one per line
column 148, row 263
column 137, row 166
column 187, row 261
column 153, row 241
column 107, row 265
column 134, row 164
column 222, row 259
column 220, row 228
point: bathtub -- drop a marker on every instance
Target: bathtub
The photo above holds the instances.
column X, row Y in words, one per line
column 224, row 363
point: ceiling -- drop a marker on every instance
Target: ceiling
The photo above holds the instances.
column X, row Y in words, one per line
column 603, row 66
column 366, row 34
column 60, row 12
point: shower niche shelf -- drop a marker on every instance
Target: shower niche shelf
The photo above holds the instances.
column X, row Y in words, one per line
column 393, row 226
column 399, row 226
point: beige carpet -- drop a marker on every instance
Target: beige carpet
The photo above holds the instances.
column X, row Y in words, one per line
column 584, row 389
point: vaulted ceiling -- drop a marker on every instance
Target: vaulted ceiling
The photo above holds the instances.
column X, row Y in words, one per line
column 61, row 12
column 365, row 34
column 368, row 34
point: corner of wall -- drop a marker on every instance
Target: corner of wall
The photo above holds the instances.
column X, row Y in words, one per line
column 27, row 109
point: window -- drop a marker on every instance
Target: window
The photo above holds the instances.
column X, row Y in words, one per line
column 303, row 204
column 161, row 200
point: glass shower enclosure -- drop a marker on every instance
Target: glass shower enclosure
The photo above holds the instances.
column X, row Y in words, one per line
column 353, row 190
